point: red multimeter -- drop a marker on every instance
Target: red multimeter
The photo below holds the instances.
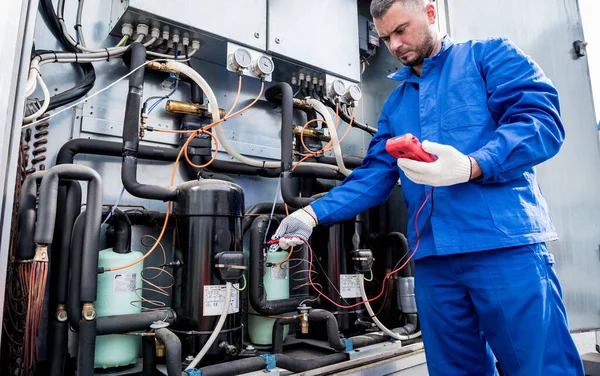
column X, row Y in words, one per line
column 408, row 146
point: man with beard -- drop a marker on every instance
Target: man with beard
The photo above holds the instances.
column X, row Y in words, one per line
column 485, row 283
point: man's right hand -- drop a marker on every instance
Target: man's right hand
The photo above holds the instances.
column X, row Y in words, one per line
column 296, row 227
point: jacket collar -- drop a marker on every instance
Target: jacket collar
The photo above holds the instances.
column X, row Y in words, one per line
column 407, row 72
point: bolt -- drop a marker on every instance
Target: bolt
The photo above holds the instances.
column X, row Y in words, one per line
column 277, row 40
column 250, row 348
column 256, row 35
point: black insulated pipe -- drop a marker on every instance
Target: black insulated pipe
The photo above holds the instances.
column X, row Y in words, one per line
column 301, row 365
column 87, row 347
column 136, row 56
column 287, row 137
column 59, row 327
column 27, row 205
column 258, row 295
column 44, row 234
column 58, row 350
column 172, row 350
column 120, row 324
column 67, row 153
column 122, row 232
column 148, row 356
column 277, row 337
column 333, row 333
column 236, row 367
column 71, row 211
column 44, row 231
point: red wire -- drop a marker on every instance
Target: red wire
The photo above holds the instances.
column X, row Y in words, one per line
column 387, row 275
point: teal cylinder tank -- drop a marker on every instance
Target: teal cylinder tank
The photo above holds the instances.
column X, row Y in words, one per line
column 116, row 292
column 277, row 286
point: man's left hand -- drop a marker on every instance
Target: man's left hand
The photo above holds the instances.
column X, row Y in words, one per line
column 452, row 167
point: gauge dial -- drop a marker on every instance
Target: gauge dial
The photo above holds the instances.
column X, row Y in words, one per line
column 263, row 66
column 353, row 93
column 336, row 89
column 241, row 59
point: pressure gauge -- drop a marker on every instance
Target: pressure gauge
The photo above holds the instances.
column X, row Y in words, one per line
column 336, row 89
column 240, row 59
column 353, row 94
column 263, row 66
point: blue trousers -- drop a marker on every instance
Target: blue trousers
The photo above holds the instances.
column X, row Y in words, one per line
column 505, row 303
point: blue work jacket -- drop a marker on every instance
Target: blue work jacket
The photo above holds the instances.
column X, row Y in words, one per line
column 491, row 102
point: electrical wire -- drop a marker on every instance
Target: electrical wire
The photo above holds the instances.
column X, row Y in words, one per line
column 89, row 75
column 45, row 103
column 371, row 279
column 93, row 94
column 153, row 106
column 416, row 247
column 115, row 206
column 245, row 283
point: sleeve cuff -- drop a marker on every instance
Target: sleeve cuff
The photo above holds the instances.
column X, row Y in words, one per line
column 489, row 167
column 320, row 211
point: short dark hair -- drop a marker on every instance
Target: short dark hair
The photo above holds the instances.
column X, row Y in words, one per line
column 380, row 7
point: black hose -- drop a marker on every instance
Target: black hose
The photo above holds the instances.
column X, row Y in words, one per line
column 172, row 350
column 122, row 232
column 333, row 333
column 258, row 295
column 277, row 336
column 136, row 56
column 148, row 356
column 27, row 205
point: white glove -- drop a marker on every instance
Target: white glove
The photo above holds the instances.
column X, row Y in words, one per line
column 451, row 167
column 294, row 228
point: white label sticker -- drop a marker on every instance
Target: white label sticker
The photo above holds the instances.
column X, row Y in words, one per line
column 349, row 287
column 124, row 282
column 278, row 273
column 214, row 300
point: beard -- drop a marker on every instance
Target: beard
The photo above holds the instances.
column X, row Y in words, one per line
column 415, row 56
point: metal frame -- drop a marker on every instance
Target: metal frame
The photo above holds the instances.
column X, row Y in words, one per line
column 18, row 19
